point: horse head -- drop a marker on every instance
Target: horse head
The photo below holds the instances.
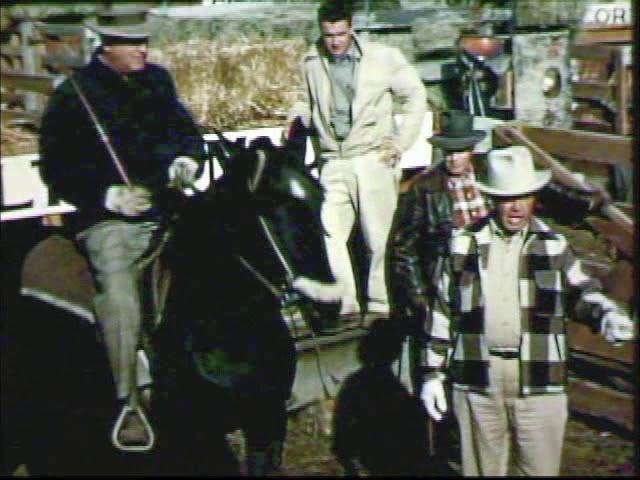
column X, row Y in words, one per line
column 262, row 215
column 288, row 201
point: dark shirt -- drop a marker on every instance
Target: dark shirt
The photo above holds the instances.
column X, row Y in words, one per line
column 147, row 125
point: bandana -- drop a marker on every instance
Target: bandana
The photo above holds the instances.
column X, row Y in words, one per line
column 468, row 202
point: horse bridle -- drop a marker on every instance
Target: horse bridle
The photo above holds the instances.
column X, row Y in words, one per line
column 277, row 292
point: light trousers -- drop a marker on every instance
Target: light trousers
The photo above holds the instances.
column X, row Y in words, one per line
column 115, row 250
column 364, row 189
column 503, row 427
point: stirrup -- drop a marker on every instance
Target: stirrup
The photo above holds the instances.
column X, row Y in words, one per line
column 127, row 409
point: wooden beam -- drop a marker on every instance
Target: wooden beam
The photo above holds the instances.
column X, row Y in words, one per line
column 614, row 233
column 582, row 339
column 592, row 90
column 591, row 52
column 63, row 60
column 606, row 35
column 10, row 51
column 605, row 403
column 11, row 98
column 623, row 94
column 327, row 340
column 31, row 82
column 584, row 146
column 18, row 116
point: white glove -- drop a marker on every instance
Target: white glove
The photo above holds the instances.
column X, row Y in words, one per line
column 318, row 291
column 391, row 151
column 433, row 398
column 616, row 327
column 182, row 172
column 128, row 201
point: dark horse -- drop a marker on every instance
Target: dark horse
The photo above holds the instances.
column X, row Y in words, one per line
column 222, row 358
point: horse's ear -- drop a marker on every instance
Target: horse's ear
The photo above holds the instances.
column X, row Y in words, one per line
column 262, row 142
column 258, row 169
column 226, row 150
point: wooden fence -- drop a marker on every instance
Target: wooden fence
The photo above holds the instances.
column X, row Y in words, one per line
column 35, row 55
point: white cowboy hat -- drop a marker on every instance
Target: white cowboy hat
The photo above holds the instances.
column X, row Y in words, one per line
column 510, row 172
column 124, row 22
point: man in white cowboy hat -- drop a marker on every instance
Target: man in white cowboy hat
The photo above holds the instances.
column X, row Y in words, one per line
column 439, row 201
column 119, row 101
column 500, row 333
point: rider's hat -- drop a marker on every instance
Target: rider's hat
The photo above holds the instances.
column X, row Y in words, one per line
column 124, row 22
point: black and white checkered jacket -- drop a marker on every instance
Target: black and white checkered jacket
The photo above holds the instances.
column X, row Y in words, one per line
column 553, row 286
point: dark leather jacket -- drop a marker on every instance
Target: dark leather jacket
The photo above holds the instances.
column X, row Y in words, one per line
column 419, row 236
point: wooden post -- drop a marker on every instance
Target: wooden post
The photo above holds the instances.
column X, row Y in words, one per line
column 623, row 90
column 29, row 64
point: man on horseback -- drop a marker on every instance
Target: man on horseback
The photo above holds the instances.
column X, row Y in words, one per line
column 114, row 139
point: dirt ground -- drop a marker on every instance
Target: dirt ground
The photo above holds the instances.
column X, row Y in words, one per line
column 589, row 450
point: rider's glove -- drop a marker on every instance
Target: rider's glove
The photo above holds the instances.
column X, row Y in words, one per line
column 616, row 327
column 129, row 201
column 182, row 172
column 434, row 398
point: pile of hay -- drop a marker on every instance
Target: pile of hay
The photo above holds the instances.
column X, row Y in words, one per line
column 17, row 140
column 235, row 83
column 230, row 84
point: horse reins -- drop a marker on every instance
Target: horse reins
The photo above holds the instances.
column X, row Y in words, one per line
column 279, row 294
column 101, row 132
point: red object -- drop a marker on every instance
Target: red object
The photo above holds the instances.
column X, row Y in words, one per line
column 481, row 46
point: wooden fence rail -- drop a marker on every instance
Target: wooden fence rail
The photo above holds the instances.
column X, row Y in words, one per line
column 32, row 65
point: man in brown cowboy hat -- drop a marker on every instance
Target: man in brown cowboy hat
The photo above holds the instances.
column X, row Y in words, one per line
column 440, row 200
column 499, row 332
column 114, row 137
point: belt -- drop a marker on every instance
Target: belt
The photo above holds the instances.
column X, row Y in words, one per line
column 505, row 353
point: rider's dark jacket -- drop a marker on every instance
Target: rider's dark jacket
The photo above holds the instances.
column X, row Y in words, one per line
column 147, row 126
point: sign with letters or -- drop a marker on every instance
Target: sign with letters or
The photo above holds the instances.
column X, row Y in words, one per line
column 606, row 15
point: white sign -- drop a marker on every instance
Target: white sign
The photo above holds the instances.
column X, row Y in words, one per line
column 608, row 14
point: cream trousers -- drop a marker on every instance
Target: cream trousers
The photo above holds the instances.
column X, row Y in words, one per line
column 364, row 189
column 503, row 427
column 115, row 250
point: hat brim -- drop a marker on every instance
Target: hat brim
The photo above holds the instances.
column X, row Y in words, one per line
column 134, row 32
column 457, row 143
column 540, row 180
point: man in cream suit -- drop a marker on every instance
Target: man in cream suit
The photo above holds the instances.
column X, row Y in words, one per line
column 352, row 90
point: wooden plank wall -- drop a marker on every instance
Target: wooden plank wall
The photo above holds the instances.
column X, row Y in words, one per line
column 34, row 58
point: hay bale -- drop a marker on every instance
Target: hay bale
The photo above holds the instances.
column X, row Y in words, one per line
column 235, row 82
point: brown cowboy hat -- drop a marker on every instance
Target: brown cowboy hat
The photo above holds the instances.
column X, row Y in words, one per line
column 457, row 131
column 123, row 22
